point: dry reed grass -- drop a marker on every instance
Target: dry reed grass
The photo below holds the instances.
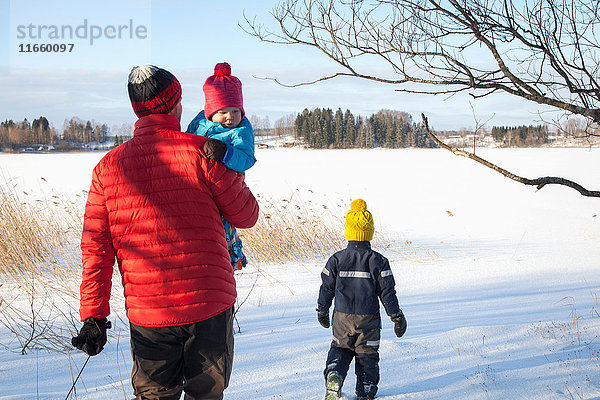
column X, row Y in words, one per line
column 38, row 237
column 39, row 258
column 292, row 230
column 300, row 230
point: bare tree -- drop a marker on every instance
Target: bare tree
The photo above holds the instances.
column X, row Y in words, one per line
column 260, row 125
column 284, row 126
column 544, row 51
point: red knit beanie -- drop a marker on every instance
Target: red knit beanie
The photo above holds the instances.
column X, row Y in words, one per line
column 222, row 90
column 153, row 90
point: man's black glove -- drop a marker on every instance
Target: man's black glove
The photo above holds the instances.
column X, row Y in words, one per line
column 323, row 317
column 215, row 149
column 399, row 323
column 92, row 336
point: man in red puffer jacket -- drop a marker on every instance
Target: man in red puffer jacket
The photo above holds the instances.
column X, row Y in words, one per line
column 155, row 205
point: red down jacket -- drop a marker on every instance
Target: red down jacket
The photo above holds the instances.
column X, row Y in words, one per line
column 154, row 204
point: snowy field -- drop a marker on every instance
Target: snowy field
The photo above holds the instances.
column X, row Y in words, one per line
column 499, row 283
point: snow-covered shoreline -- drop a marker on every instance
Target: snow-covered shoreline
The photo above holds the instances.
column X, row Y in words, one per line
column 498, row 282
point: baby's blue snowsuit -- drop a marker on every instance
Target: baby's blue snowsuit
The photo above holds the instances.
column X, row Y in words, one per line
column 238, row 157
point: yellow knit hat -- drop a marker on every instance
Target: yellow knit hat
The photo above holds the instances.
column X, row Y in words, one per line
column 359, row 222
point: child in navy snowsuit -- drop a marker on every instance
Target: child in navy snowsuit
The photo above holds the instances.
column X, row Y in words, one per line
column 357, row 277
column 232, row 137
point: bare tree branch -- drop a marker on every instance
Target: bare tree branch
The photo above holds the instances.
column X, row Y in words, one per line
column 538, row 182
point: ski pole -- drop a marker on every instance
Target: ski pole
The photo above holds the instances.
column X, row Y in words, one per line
column 77, row 378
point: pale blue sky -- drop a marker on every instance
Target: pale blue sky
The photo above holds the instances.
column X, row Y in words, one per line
column 188, row 38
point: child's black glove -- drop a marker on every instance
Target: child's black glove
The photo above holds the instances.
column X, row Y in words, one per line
column 215, row 149
column 399, row 323
column 92, row 336
column 323, row 317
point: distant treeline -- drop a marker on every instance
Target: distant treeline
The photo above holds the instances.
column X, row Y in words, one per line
column 323, row 129
column 15, row 134
column 76, row 133
column 520, row 136
column 320, row 128
column 79, row 131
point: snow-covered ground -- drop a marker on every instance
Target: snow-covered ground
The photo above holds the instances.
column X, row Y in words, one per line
column 498, row 282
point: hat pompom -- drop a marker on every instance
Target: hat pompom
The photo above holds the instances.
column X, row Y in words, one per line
column 140, row 74
column 222, row 69
column 358, row 205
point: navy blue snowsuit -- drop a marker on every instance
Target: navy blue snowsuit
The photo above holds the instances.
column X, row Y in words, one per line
column 357, row 278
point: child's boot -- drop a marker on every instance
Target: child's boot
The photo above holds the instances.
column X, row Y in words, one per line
column 366, row 391
column 333, row 386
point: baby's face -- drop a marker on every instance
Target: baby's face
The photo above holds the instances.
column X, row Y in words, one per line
column 229, row 117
